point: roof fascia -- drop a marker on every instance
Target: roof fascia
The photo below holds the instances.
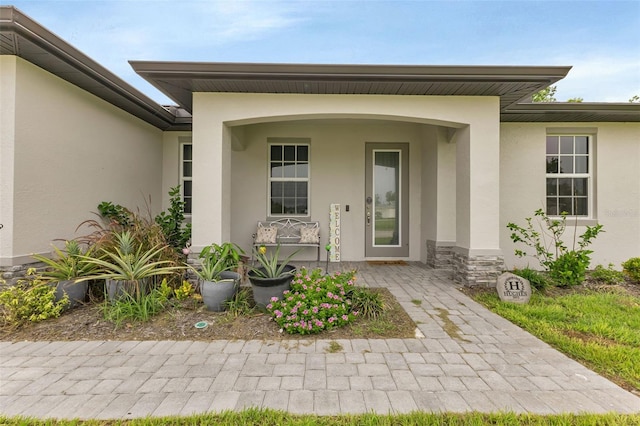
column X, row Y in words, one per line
column 12, row 19
column 350, row 72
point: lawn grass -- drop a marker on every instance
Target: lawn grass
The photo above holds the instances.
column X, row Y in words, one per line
column 599, row 329
column 270, row 417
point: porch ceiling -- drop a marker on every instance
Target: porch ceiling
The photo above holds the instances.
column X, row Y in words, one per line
column 179, row 80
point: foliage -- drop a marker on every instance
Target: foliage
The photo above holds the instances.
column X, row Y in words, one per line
column 172, row 221
column 566, row 267
column 268, row 417
column 30, row 300
column 537, row 280
column 127, row 260
column 215, row 259
column 210, row 270
column 229, row 253
column 68, row 264
column 116, row 213
column 315, row 302
column 368, row 303
column 634, row 98
column 569, row 268
column 600, row 329
column 547, row 94
column 137, row 308
column 240, row 304
column 607, row 275
column 632, row 268
column 271, row 266
column 184, row 291
column 575, row 100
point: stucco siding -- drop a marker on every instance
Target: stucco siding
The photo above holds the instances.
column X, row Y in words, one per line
column 337, row 176
column 73, row 150
column 616, row 193
column 7, row 132
column 217, row 116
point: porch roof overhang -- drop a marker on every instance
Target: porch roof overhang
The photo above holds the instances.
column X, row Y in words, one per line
column 23, row 37
column 572, row 112
column 179, row 80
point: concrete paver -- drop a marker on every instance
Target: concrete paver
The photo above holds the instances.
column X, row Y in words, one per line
column 488, row 365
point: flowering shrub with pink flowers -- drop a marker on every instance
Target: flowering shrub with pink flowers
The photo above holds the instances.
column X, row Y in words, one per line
column 315, row 302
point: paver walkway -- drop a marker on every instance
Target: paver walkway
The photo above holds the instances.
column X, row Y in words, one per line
column 484, row 364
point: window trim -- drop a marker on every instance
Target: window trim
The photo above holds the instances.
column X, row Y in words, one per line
column 590, row 133
column 182, row 142
column 296, row 142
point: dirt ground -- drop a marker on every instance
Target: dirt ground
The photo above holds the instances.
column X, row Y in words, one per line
column 178, row 323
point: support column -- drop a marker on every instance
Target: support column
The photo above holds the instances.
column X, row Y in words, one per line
column 439, row 199
column 477, row 256
column 211, row 209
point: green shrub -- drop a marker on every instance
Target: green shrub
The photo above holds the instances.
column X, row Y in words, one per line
column 240, row 304
column 538, row 281
column 368, row 303
column 30, row 300
column 184, row 291
column 176, row 232
column 139, row 308
column 632, row 268
column 570, row 268
column 315, row 302
column 566, row 266
column 607, row 275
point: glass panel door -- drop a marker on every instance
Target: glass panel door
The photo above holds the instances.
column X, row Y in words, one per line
column 386, row 189
column 386, row 200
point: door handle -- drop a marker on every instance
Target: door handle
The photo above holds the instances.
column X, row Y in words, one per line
column 368, row 217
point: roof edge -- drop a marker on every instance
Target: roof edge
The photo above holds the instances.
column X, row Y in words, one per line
column 14, row 20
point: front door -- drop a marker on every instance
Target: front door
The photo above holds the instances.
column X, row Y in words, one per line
column 387, row 200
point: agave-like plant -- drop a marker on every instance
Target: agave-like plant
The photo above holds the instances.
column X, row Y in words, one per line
column 68, row 264
column 271, row 266
column 125, row 262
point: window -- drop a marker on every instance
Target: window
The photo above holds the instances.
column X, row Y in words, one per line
column 186, row 172
column 288, row 178
column 569, row 175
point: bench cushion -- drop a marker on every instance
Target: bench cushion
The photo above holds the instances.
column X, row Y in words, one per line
column 309, row 235
column 266, row 234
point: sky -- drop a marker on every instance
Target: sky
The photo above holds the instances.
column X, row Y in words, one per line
column 600, row 39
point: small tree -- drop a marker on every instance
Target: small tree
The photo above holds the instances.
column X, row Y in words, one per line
column 545, row 95
column 566, row 267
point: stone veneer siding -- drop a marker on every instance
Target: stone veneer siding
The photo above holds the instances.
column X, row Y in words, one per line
column 11, row 274
column 482, row 270
column 439, row 256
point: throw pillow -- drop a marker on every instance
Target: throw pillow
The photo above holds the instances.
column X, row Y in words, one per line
column 309, row 236
column 266, row 234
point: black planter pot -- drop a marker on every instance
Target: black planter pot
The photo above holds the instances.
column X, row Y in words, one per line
column 266, row 288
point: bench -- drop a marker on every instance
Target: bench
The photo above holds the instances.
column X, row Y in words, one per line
column 287, row 232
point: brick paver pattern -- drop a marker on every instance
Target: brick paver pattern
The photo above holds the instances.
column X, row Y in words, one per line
column 489, row 365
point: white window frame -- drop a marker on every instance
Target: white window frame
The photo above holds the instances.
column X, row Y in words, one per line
column 184, row 142
column 289, row 142
column 589, row 176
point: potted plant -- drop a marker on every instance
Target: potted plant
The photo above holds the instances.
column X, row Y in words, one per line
column 65, row 269
column 272, row 278
column 218, row 274
column 127, row 266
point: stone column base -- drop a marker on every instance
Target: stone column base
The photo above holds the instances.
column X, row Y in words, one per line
column 440, row 254
column 472, row 269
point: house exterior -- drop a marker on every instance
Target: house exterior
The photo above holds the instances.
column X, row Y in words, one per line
column 424, row 163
